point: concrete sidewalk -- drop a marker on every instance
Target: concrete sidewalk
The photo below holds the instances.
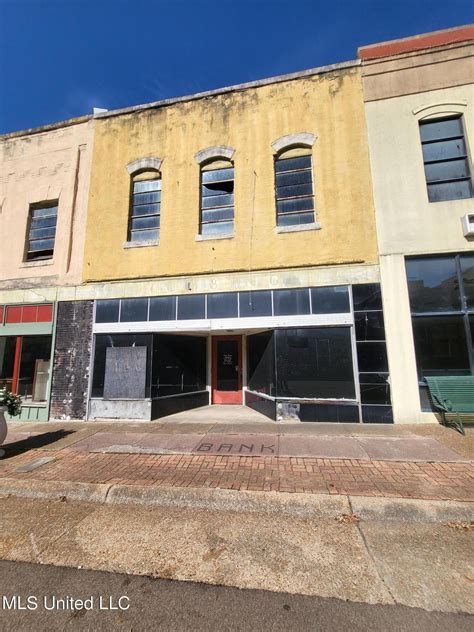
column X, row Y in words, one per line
column 426, row 462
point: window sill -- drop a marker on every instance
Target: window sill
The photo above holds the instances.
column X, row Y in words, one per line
column 37, row 264
column 298, row 228
column 140, row 244
column 212, row 237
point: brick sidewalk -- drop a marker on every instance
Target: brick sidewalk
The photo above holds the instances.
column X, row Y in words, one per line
column 431, row 481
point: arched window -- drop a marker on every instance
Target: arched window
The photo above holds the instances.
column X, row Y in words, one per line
column 145, row 202
column 217, row 198
column 445, row 152
column 294, row 180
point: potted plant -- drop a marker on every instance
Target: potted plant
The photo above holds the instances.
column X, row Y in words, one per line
column 10, row 403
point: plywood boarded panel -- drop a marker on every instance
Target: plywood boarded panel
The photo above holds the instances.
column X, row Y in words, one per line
column 125, row 373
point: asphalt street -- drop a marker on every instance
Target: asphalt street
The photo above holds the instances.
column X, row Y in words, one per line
column 159, row 604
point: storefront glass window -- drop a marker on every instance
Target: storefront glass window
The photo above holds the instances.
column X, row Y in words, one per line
column 34, row 368
column 261, row 362
column 433, row 285
column 255, row 303
column 179, row 364
column 291, row 302
column 7, row 360
column 330, row 300
column 467, row 267
column 315, row 363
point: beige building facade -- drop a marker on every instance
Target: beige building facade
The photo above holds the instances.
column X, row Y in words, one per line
column 419, row 103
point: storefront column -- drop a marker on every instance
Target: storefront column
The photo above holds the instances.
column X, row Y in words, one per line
column 400, row 345
column 16, row 364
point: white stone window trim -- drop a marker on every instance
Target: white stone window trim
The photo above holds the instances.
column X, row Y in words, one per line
column 140, row 244
column 213, row 237
column 214, row 153
column 37, row 264
column 144, row 164
column 439, row 109
column 306, row 139
column 298, row 228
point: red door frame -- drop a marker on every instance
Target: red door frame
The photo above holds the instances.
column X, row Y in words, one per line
column 226, row 397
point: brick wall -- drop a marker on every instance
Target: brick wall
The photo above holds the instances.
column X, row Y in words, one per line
column 72, row 356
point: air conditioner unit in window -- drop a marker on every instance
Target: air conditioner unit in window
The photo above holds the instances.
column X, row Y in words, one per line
column 468, row 225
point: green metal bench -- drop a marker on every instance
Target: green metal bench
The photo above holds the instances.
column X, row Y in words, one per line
column 453, row 395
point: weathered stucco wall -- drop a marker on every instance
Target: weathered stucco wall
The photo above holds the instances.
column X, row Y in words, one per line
column 38, row 167
column 406, row 221
column 328, row 105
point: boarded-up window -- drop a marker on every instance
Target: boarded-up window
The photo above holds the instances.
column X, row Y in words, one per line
column 125, row 373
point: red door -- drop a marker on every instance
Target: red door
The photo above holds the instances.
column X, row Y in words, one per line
column 227, row 370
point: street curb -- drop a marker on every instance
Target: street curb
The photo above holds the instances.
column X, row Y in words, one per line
column 296, row 504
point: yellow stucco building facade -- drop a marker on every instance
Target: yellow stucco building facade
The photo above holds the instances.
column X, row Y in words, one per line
column 328, row 105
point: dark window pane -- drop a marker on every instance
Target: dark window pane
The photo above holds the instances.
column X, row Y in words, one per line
column 217, row 215
column 372, row 357
column 449, row 191
column 146, row 198
column 146, row 209
column 433, row 284
column 450, row 170
column 289, row 302
column 7, row 360
column 217, row 175
column 444, row 150
column 369, row 326
column 163, row 308
column 41, row 244
column 179, row 364
column 43, row 222
column 191, row 307
column 440, row 345
column 294, row 177
column 43, row 233
column 471, row 324
column 35, row 362
column 330, row 300
column 134, row 309
column 255, row 303
column 222, row 305
column 144, row 235
column 289, row 164
column 47, row 211
column 107, row 311
column 434, row 130
column 329, row 413
column 367, row 296
column 261, row 363
column 217, row 200
column 374, row 389
column 218, row 228
column 467, row 267
column 141, row 223
column 314, row 362
column 298, row 204
column 103, row 342
column 377, row 414
column 295, row 219
column 294, row 190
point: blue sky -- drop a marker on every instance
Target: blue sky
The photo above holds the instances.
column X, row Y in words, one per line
column 61, row 58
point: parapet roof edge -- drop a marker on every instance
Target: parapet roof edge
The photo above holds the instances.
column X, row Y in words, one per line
column 77, row 120
column 415, row 43
column 234, row 88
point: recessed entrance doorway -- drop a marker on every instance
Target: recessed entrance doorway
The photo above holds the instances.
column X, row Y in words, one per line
column 227, row 370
